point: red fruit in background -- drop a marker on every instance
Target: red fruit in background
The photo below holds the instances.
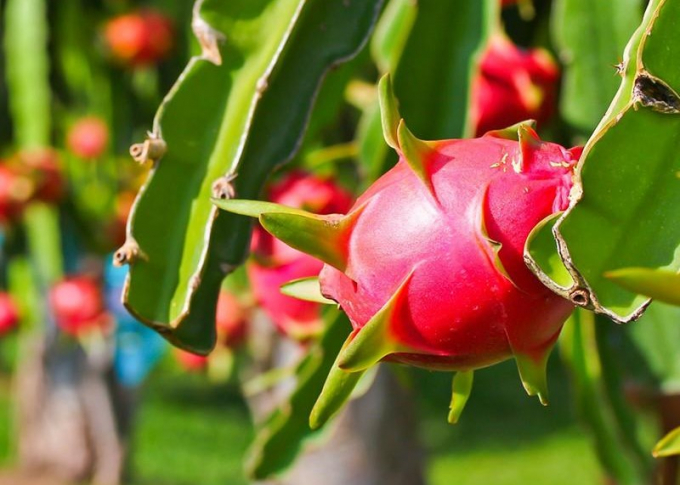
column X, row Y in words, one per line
column 9, row 313
column 88, row 137
column 275, row 263
column 43, row 169
column 189, row 361
column 77, row 305
column 513, row 85
column 230, row 320
column 140, row 38
column 15, row 190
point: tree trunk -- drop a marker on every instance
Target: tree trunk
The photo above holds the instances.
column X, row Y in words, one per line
column 373, row 441
column 68, row 414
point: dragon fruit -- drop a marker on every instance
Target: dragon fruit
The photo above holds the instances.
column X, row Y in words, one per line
column 513, row 85
column 428, row 263
column 274, row 263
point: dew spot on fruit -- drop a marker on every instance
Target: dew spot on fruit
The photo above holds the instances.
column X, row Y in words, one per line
column 652, row 92
column 579, row 297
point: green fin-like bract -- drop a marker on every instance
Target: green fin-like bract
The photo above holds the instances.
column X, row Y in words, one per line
column 306, row 289
column 532, row 371
column 480, row 206
column 322, row 236
column 417, row 153
column 389, row 111
column 512, row 131
column 528, row 143
column 461, row 389
column 374, row 341
column 336, row 391
column 255, row 208
column 660, row 284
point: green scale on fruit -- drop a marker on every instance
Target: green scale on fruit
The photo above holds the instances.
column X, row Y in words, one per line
column 428, row 263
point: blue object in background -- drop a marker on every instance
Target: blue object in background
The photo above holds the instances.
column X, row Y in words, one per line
column 138, row 348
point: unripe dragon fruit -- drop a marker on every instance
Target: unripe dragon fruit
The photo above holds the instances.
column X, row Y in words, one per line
column 428, row 263
column 513, row 85
column 274, row 263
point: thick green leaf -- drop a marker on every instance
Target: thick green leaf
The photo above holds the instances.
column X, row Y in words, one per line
column 599, row 398
column 27, row 71
column 590, row 37
column 625, row 208
column 662, row 285
column 240, row 108
column 282, row 435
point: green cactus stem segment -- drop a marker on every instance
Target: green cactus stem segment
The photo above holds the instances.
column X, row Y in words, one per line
column 323, row 237
column 374, row 341
column 306, row 289
column 336, row 391
column 660, row 284
column 532, row 372
column 461, row 389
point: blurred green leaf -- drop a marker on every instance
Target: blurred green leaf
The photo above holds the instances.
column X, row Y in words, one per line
column 432, row 73
column 590, row 37
column 656, row 337
column 599, row 398
column 244, row 116
column 626, row 213
column 27, row 71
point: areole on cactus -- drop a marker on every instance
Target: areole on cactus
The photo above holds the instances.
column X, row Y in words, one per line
column 428, row 263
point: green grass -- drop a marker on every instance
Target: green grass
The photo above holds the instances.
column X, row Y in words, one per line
column 192, row 431
column 504, row 437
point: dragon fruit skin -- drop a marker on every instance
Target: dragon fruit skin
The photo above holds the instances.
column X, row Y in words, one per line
column 274, row 263
column 462, row 306
column 513, row 85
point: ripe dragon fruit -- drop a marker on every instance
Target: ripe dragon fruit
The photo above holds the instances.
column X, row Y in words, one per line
column 428, row 263
column 274, row 263
column 513, row 85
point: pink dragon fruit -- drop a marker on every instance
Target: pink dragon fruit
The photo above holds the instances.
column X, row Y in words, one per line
column 513, row 85
column 274, row 263
column 428, row 263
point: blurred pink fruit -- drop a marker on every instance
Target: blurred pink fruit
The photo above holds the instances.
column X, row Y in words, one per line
column 275, row 263
column 513, row 85
column 88, row 137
